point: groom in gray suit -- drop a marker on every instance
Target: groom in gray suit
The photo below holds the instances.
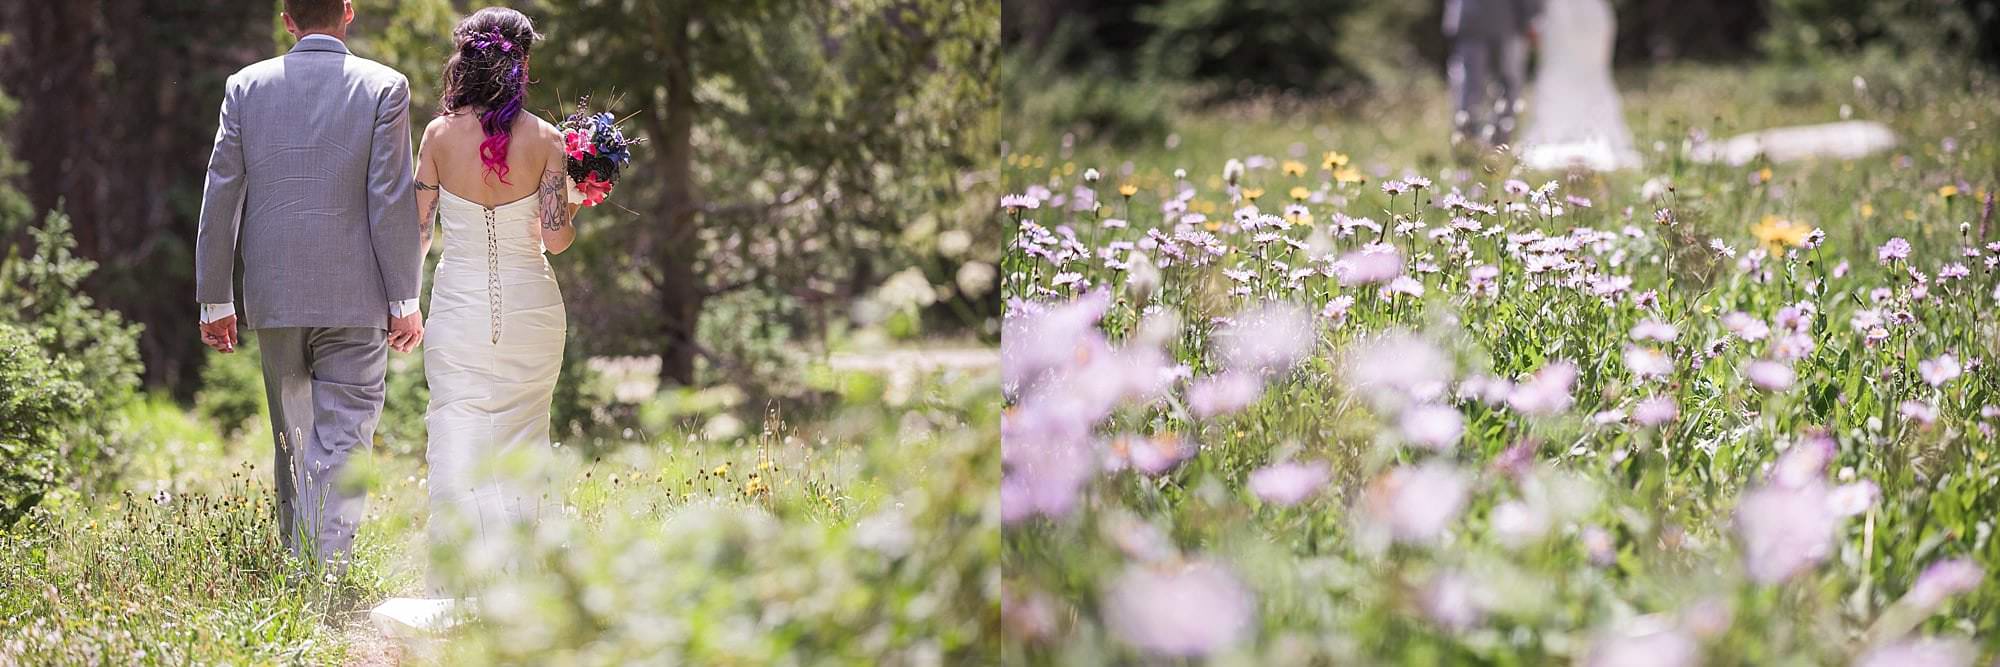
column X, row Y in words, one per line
column 311, row 180
column 1489, row 44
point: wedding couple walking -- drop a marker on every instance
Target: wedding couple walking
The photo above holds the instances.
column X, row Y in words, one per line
column 1575, row 119
column 311, row 179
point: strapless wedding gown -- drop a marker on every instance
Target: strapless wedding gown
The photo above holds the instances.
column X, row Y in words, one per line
column 493, row 345
column 1575, row 119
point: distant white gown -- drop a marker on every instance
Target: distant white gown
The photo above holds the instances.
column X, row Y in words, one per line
column 1575, row 120
column 493, row 346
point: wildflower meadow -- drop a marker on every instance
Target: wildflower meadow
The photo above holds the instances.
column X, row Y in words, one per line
column 1288, row 388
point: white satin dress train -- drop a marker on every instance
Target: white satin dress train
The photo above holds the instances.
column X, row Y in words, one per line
column 493, row 346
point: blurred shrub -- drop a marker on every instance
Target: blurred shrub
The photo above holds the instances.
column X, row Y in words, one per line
column 41, row 294
column 232, row 387
column 402, row 430
column 1811, row 30
column 1095, row 108
column 38, row 400
column 1242, row 45
column 765, row 577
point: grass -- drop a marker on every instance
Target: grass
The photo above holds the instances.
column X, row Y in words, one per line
column 181, row 565
column 1580, row 532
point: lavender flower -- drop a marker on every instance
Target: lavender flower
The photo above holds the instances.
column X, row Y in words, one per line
column 1655, row 411
column 1547, row 392
column 1223, row 393
column 1896, row 249
column 1647, row 363
column 1267, row 339
column 1944, row 579
column 1452, row 601
column 1179, row 611
column 1644, row 643
column 1415, row 504
column 1655, row 330
column 1924, row 652
column 1289, row 483
column 1770, row 375
column 1938, row 371
column 1433, row 426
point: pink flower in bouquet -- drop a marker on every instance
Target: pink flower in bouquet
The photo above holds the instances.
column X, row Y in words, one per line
column 578, row 145
column 594, row 190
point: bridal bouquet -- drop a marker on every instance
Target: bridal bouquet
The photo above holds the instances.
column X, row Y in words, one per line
column 597, row 150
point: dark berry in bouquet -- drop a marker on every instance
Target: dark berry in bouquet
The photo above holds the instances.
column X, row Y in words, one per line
column 598, row 151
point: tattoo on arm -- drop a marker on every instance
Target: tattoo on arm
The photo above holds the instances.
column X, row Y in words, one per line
column 553, row 198
column 425, row 221
column 426, row 186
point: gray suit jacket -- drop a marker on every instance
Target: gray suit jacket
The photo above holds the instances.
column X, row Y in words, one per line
column 311, row 178
column 1489, row 19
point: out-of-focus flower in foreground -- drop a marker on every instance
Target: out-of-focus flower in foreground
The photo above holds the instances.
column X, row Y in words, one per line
column 1289, row 483
column 1179, row 610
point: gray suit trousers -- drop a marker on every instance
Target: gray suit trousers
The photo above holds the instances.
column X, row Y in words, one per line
column 326, row 387
column 1477, row 63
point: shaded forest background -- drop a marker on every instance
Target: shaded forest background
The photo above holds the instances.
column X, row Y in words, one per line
column 1114, row 69
column 813, row 167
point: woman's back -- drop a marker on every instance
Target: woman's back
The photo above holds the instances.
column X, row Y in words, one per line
column 453, row 143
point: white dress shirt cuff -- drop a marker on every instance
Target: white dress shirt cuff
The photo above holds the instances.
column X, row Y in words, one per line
column 403, row 308
column 211, row 312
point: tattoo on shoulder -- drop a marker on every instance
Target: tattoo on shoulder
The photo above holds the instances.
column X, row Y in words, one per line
column 553, row 197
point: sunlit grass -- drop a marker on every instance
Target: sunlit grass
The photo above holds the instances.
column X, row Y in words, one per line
column 1149, row 498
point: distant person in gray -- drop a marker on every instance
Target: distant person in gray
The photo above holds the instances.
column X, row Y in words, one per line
column 311, row 180
column 1489, row 49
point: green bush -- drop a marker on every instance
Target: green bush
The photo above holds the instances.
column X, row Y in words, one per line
column 38, row 399
column 402, row 431
column 1812, row 30
column 41, row 294
column 232, row 388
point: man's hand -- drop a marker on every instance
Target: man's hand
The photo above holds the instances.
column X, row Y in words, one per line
column 406, row 332
column 220, row 334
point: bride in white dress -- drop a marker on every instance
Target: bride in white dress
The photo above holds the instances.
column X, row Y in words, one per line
column 1574, row 117
column 494, row 178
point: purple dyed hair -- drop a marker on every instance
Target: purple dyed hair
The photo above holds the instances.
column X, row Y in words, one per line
column 489, row 71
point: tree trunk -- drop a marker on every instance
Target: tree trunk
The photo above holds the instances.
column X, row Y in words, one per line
column 119, row 108
column 48, row 69
column 681, row 292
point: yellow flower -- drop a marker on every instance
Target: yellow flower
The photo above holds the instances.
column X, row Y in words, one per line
column 1347, row 175
column 1128, row 189
column 1777, row 234
column 1301, row 219
column 1294, row 168
column 1909, row 215
column 1333, row 160
column 1764, row 175
column 1948, row 191
column 1068, row 168
column 1299, row 193
column 1867, row 210
column 722, row 470
column 1252, row 193
column 1212, row 225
